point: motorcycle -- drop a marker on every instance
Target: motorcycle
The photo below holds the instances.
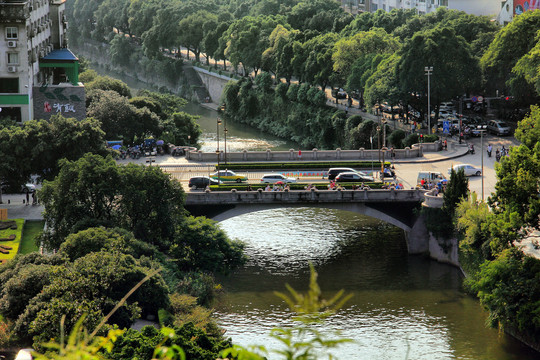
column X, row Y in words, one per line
column 497, row 155
column 471, row 149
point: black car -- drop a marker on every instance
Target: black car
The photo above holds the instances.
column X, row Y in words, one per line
column 201, row 182
column 333, row 172
column 353, row 177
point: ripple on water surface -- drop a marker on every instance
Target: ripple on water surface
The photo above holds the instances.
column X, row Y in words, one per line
column 401, row 304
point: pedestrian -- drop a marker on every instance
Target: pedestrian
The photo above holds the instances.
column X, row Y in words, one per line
column 34, row 201
column 27, row 198
column 445, row 145
column 299, row 154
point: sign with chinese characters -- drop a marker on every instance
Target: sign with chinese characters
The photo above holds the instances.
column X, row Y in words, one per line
column 69, row 101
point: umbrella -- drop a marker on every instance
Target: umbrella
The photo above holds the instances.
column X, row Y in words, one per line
column 279, row 182
column 117, row 147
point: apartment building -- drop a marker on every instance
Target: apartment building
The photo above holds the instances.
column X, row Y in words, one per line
column 38, row 73
column 500, row 10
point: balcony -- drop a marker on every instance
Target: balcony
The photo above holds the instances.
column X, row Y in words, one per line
column 14, row 11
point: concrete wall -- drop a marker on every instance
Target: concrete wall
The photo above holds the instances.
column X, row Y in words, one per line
column 417, row 150
column 214, row 83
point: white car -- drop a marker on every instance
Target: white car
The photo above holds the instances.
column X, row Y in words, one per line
column 274, row 178
column 468, row 169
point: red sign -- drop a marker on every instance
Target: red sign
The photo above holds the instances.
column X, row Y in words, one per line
column 520, row 6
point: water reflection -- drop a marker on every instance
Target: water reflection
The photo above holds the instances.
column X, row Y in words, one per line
column 402, row 304
column 239, row 136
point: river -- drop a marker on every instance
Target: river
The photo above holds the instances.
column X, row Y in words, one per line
column 403, row 307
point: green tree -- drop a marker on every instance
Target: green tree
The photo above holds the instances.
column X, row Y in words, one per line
column 108, row 83
column 509, row 46
column 509, row 289
column 96, row 239
column 93, row 284
column 119, row 119
column 247, row 39
column 201, row 245
column 452, row 76
column 348, row 50
column 457, row 189
column 95, row 191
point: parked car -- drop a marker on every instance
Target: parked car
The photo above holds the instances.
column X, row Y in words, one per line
column 354, row 177
column 228, row 175
column 201, row 182
column 274, row 178
column 468, row 169
column 498, row 127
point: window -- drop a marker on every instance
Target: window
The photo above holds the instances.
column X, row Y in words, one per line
column 443, row 2
column 9, row 85
column 12, row 32
column 13, row 58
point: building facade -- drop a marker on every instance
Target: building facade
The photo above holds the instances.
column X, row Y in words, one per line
column 34, row 58
column 501, row 10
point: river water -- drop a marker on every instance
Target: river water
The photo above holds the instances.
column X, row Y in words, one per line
column 403, row 307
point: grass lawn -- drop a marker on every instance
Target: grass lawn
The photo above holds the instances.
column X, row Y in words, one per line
column 31, row 230
column 14, row 244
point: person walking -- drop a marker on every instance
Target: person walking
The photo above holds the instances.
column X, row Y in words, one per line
column 489, row 150
column 27, row 197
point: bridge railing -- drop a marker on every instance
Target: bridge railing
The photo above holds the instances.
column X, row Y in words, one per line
column 416, row 150
column 300, row 196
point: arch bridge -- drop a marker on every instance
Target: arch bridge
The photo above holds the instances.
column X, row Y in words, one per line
column 397, row 207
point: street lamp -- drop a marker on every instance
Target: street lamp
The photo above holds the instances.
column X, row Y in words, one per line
column 217, row 151
column 218, row 174
column 428, row 70
column 482, row 129
column 379, row 141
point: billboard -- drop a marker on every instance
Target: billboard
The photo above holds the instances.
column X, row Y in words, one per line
column 68, row 100
column 520, row 6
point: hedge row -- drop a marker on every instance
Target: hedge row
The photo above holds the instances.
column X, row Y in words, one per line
column 303, row 165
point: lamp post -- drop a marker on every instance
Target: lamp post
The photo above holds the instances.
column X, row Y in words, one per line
column 379, row 141
column 428, row 70
column 371, row 141
column 217, row 151
column 225, row 131
column 482, row 129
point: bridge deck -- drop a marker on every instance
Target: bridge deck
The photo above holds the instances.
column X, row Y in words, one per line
column 303, row 196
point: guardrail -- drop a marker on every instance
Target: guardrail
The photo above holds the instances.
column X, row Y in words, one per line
column 416, row 150
column 299, row 196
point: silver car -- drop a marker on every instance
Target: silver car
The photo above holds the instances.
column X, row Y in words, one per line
column 498, row 127
column 468, row 169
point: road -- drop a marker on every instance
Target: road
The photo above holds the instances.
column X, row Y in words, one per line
column 406, row 172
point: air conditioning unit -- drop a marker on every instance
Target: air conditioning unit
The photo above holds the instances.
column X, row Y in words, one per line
column 49, row 48
column 12, row 69
column 428, row 5
column 41, row 53
column 12, row 43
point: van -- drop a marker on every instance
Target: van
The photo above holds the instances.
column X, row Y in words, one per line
column 429, row 177
column 498, row 127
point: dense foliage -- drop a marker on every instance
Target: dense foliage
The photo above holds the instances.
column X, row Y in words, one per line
column 379, row 57
column 505, row 279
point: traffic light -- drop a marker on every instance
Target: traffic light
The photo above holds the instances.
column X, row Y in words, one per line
column 508, row 98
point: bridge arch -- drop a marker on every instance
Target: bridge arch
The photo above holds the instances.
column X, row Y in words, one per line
column 359, row 208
